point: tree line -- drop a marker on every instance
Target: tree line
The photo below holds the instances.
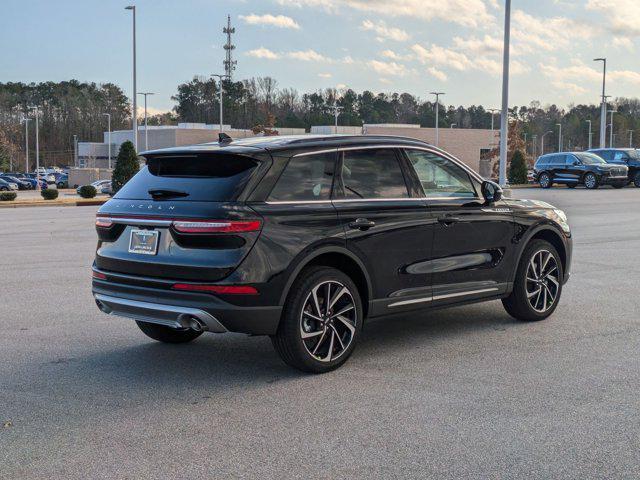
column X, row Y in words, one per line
column 77, row 108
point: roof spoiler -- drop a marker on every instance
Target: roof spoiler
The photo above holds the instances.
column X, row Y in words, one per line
column 223, row 138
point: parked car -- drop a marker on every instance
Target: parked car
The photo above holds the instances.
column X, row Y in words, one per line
column 32, row 177
column 106, row 189
column 6, row 186
column 629, row 157
column 302, row 239
column 578, row 168
column 22, row 184
column 62, row 180
column 98, row 184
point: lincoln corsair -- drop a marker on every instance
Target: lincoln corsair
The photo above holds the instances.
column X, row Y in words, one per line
column 629, row 157
column 306, row 238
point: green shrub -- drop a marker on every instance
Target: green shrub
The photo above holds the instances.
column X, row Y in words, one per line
column 49, row 194
column 7, row 196
column 127, row 165
column 88, row 191
column 518, row 169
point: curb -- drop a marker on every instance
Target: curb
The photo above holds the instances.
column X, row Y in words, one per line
column 52, row 203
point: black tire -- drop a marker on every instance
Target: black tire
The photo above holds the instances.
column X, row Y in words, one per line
column 619, row 185
column 517, row 304
column 591, row 181
column 288, row 341
column 167, row 334
column 636, row 179
column 572, row 185
column 545, row 180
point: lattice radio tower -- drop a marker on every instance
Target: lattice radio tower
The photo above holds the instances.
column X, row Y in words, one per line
column 229, row 62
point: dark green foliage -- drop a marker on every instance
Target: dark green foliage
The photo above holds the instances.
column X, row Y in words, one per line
column 49, row 194
column 127, row 165
column 88, row 191
column 7, row 196
column 518, row 169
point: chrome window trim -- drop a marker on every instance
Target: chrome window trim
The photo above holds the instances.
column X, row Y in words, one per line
column 352, row 200
column 442, row 297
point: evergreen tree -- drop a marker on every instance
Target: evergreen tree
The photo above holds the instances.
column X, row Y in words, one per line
column 127, row 166
column 517, row 169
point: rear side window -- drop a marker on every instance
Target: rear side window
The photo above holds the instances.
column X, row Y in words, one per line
column 305, row 178
column 372, row 173
column 542, row 161
column 209, row 177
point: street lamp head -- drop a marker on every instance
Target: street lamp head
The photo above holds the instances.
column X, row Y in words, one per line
column 436, row 93
column 599, row 59
column 130, row 7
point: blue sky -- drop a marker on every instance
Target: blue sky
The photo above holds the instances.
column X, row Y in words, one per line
column 382, row 45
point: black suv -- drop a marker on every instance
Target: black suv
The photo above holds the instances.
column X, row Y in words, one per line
column 575, row 168
column 630, row 157
column 303, row 238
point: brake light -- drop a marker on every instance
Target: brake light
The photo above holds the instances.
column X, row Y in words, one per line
column 219, row 289
column 103, row 222
column 215, row 226
column 98, row 275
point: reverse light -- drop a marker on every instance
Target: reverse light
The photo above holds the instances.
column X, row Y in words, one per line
column 219, row 289
column 98, row 275
column 103, row 222
column 216, row 226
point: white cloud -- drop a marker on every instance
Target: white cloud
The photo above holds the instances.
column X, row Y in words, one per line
column 341, row 86
column 442, row 56
column 620, row 16
column 348, row 60
column 484, row 45
column 470, row 13
column 623, row 42
column 391, row 69
column 263, row 53
column 279, row 21
column 309, row 55
column 325, row 75
column 390, row 54
column 437, row 74
column 383, row 32
column 535, row 33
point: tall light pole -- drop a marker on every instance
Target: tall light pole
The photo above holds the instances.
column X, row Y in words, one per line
column 75, row 151
column 134, row 121
column 611, row 128
column 220, row 78
column 493, row 111
column 36, row 112
column 336, row 109
column 26, row 144
column 108, row 115
column 534, row 139
column 504, row 116
column 525, row 144
column 453, row 125
column 437, row 94
column 630, row 138
column 590, row 133
column 559, row 125
column 603, row 107
column 146, row 126
column 542, row 141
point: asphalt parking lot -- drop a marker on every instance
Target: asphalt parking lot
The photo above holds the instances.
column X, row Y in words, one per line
column 460, row 393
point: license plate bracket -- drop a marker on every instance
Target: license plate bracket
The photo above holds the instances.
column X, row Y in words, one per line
column 144, row 242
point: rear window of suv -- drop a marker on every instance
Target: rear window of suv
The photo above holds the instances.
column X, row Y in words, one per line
column 210, row 177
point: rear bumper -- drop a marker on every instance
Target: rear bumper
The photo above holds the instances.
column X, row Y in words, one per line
column 176, row 308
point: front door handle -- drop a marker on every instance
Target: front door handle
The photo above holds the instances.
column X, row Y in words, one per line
column 447, row 220
column 362, row 224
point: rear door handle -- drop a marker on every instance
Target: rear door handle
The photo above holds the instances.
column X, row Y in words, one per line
column 362, row 224
column 448, row 220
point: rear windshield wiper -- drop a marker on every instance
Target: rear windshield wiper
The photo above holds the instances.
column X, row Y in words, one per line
column 166, row 193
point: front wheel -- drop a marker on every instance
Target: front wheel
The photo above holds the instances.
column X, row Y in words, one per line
column 167, row 334
column 538, row 283
column 321, row 321
column 545, row 180
column 591, row 181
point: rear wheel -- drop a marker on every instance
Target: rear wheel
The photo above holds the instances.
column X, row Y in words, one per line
column 636, row 179
column 591, row 181
column 321, row 321
column 167, row 334
column 545, row 180
column 538, row 284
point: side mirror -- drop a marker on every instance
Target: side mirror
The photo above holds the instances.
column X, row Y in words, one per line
column 491, row 191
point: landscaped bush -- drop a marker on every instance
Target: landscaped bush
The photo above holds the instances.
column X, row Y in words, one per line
column 7, row 196
column 88, row 191
column 518, row 169
column 127, row 165
column 49, row 194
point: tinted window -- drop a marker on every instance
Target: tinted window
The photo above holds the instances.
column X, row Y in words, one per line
column 439, row 176
column 569, row 159
column 542, row 161
column 308, row 177
column 373, row 173
column 589, row 158
column 558, row 159
column 620, row 157
column 212, row 177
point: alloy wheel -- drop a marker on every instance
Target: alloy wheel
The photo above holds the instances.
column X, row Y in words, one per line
column 544, row 180
column 543, row 282
column 328, row 321
column 590, row 181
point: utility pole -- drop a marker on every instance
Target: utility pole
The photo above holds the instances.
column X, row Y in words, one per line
column 75, row 151
column 36, row 112
column 590, row 133
column 504, row 117
column 525, row 144
column 603, row 108
column 611, row 129
column 452, row 125
column 542, row 142
column 493, row 111
column 630, row 138
column 437, row 94
column 229, row 63
column 336, row 109
column 108, row 115
column 559, row 125
column 26, row 144
column 134, row 122
column 534, row 139
column 146, row 126
column 220, row 77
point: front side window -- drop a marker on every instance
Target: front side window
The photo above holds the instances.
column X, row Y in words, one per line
column 372, row 173
column 439, row 176
column 305, row 178
column 589, row 158
column 620, row 157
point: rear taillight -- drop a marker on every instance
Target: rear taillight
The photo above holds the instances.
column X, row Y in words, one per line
column 98, row 275
column 219, row 289
column 103, row 222
column 216, row 226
